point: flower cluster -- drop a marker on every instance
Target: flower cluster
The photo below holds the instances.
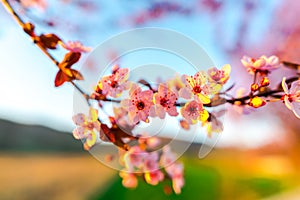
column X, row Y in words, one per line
column 186, row 97
column 263, row 64
column 87, row 128
column 153, row 166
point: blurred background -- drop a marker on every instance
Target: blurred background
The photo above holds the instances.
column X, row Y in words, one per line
column 257, row 155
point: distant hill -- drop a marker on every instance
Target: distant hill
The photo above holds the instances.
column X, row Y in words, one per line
column 31, row 138
column 18, row 137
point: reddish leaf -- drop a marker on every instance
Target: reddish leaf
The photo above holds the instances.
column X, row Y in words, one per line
column 70, row 59
column 61, row 78
column 66, row 76
column 48, row 41
column 29, row 29
column 116, row 136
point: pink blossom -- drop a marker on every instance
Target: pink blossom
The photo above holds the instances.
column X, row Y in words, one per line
column 263, row 64
column 154, row 177
column 41, row 4
column 151, row 162
column 213, row 126
column 134, row 158
column 173, row 169
column 220, row 76
column 76, row 47
column 164, row 101
column 129, row 179
column 167, row 157
column 139, row 104
column 87, row 127
column 175, row 84
column 198, row 86
column 292, row 96
column 149, row 142
column 114, row 84
column 120, row 118
column 193, row 111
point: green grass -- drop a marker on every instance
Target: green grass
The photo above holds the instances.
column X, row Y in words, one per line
column 264, row 187
column 201, row 183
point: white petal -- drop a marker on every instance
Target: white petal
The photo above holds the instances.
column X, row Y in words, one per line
column 296, row 109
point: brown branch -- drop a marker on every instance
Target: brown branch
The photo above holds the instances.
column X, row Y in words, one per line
column 10, row 9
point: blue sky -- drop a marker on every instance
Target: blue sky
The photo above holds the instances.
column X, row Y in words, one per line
column 27, row 90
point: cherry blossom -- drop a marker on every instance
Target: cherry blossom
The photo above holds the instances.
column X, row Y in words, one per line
column 199, row 87
column 87, row 127
column 173, row 169
column 175, row 84
column 114, row 84
column 213, row 126
column 193, row 112
column 263, row 64
column 164, row 101
column 292, row 96
column 154, row 177
column 168, row 157
column 129, row 179
column 149, row 142
column 134, row 158
column 220, row 76
column 139, row 104
column 151, row 162
column 76, row 47
column 40, row 4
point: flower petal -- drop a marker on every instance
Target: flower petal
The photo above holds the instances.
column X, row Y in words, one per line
column 79, row 119
column 91, row 139
column 185, row 93
column 284, row 85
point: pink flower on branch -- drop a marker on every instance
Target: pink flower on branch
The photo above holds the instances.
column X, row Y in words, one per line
column 87, row 128
column 193, row 112
column 198, row 86
column 76, row 47
column 40, row 4
column 164, row 101
column 139, row 104
column 134, row 158
column 129, row 179
column 154, row 177
column 219, row 76
column 173, row 169
column 292, row 96
column 114, row 84
column 263, row 64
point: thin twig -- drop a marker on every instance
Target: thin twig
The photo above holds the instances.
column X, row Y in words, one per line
column 10, row 9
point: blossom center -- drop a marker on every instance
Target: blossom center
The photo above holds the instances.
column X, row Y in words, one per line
column 140, row 105
column 193, row 110
column 114, row 84
column 197, row 89
column 90, row 126
column 164, row 102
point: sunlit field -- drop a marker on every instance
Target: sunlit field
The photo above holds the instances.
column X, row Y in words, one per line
column 51, row 176
column 224, row 174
